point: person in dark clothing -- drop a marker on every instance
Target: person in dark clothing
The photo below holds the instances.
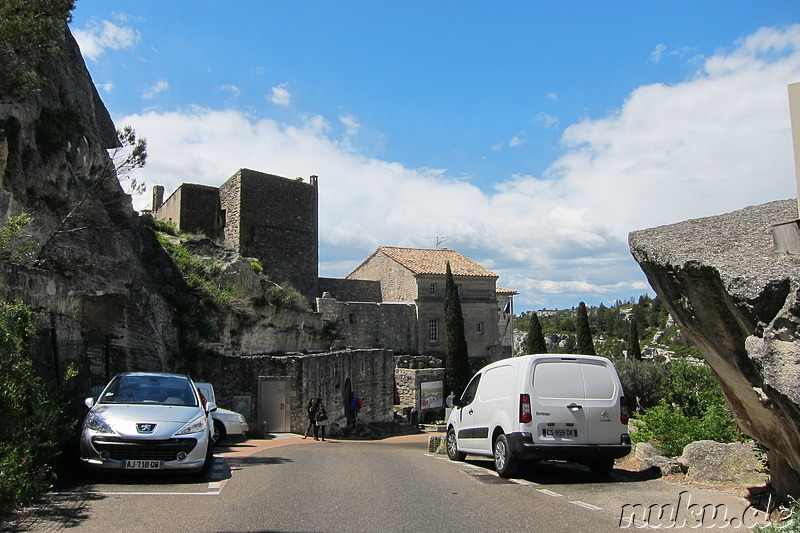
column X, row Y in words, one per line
column 322, row 419
column 312, row 417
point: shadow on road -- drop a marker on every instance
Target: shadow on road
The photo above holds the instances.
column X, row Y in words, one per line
column 566, row 473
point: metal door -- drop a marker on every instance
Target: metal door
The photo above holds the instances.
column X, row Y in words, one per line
column 273, row 408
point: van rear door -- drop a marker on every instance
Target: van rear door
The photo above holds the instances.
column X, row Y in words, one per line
column 557, row 406
column 601, row 404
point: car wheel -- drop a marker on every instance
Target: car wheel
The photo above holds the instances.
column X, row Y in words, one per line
column 601, row 467
column 209, row 462
column 219, row 433
column 505, row 463
column 452, row 447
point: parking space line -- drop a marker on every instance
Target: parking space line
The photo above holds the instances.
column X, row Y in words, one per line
column 587, row 505
column 550, row 493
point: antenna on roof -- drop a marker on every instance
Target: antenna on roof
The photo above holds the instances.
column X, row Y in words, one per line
column 440, row 240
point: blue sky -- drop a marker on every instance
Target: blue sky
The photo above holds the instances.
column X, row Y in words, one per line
column 534, row 136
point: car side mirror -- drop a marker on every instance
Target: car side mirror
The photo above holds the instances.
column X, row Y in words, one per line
column 453, row 401
column 88, row 402
column 211, row 407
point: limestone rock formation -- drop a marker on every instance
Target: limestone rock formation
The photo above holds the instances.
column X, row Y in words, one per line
column 737, row 300
column 735, row 463
column 98, row 274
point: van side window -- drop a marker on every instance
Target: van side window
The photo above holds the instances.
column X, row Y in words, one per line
column 498, row 382
column 558, row 379
column 469, row 393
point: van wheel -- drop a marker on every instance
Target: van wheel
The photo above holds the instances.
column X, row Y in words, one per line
column 601, row 467
column 452, row 447
column 505, row 463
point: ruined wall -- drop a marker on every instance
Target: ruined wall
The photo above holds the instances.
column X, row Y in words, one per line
column 392, row 326
column 193, row 209
column 351, row 290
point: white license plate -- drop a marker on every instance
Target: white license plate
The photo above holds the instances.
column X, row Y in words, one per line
column 140, row 464
column 558, row 432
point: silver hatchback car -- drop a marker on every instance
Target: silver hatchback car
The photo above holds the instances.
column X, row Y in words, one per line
column 148, row 421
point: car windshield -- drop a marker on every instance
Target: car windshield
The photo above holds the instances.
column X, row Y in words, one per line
column 150, row 389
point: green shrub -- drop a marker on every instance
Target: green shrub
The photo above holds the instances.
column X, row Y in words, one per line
column 165, row 226
column 15, row 247
column 691, row 408
column 36, row 426
column 286, row 297
column 789, row 521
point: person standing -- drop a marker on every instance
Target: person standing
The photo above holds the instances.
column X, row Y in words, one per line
column 321, row 419
column 355, row 406
column 312, row 417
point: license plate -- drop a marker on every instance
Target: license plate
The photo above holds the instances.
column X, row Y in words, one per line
column 562, row 433
column 140, row 464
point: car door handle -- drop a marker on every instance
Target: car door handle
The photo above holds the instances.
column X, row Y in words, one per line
column 574, row 407
column 470, row 411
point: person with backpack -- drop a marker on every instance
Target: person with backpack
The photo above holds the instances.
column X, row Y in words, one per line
column 321, row 419
column 355, row 406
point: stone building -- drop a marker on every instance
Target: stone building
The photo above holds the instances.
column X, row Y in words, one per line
column 395, row 300
column 267, row 217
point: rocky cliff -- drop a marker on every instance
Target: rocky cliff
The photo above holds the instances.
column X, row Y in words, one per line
column 737, row 301
column 97, row 272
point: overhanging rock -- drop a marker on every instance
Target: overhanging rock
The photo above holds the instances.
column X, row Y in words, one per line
column 737, row 299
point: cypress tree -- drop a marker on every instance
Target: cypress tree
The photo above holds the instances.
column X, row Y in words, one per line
column 584, row 344
column 633, row 340
column 457, row 371
column 535, row 342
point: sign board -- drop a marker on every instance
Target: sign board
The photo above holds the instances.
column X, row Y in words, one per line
column 431, row 395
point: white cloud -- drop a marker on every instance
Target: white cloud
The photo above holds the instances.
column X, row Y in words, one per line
column 548, row 120
column 516, row 141
column 280, row 95
column 351, row 123
column 106, row 87
column 552, row 96
column 102, row 35
column 655, row 55
column 714, row 143
column 154, row 90
column 233, row 90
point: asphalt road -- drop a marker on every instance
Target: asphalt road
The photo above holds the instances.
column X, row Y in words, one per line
column 290, row 484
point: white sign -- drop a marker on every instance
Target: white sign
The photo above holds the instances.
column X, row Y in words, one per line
column 431, row 395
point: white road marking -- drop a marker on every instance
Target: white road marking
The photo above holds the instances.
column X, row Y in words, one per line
column 587, row 505
column 550, row 493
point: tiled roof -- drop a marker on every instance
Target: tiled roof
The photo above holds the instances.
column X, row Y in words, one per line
column 507, row 292
column 433, row 261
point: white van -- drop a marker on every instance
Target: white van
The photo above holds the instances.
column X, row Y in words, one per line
column 539, row 407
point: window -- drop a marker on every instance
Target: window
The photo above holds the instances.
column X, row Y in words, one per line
column 433, row 330
column 433, row 289
column 352, row 318
column 469, row 393
column 479, row 328
column 223, row 218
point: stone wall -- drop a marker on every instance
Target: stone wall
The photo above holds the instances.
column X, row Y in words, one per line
column 351, row 290
column 372, row 325
column 408, row 382
column 330, row 376
column 397, row 282
column 193, row 209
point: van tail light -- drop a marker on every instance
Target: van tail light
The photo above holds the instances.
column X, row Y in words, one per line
column 525, row 408
column 623, row 410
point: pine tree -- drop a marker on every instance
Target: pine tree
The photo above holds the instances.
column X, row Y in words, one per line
column 633, row 341
column 535, row 342
column 584, row 344
column 457, row 371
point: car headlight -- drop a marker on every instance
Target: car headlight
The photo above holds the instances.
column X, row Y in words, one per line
column 195, row 426
column 96, row 423
column 242, row 420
